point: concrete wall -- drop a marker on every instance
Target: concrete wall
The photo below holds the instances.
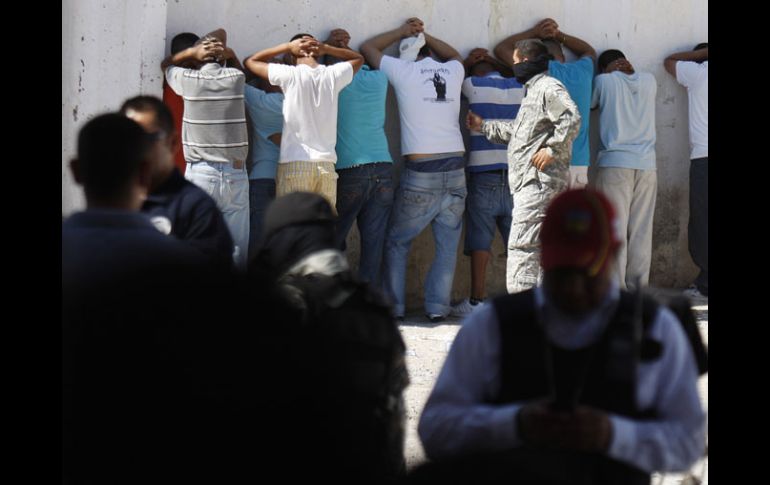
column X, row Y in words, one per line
column 110, row 50
column 645, row 30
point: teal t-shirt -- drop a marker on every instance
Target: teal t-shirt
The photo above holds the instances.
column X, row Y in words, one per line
column 361, row 120
column 577, row 77
column 266, row 113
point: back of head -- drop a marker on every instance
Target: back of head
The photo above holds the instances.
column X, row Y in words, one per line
column 183, row 41
column 702, row 45
column 554, row 48
column 579, row 232
column 290, row 58
column 111, row 149
column 164, row 120
column 299, row 36
column 295, row 225
column 608, row 57
column 531, row 48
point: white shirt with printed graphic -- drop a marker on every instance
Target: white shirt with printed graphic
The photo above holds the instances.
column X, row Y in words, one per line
column 428, row 94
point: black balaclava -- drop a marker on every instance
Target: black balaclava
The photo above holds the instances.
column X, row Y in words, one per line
column 524, row 71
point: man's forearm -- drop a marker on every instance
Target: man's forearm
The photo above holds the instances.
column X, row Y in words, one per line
column 504, row 49
column 232, row 59
column 382, row 41
column 699, row 55
column 340, row 53
column 578, row 46
column 257, row 63
column 442, row 49
column 178, row 58
column 266, row 54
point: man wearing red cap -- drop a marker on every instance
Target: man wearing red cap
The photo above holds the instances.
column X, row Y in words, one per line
column 553, row 383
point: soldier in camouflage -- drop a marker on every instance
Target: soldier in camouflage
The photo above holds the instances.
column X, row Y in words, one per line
column 539, row 150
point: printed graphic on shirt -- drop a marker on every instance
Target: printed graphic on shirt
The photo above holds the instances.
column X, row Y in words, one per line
column 439, row 83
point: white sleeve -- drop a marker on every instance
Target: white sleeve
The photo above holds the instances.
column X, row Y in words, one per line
column 596, row 93
column 457, row 67
column 392, row 68
column 458, row 417
column 343, row 75
column 675, row 438
column 174, row 78
column 279, row 74
column 467, row 88
column 686, row 72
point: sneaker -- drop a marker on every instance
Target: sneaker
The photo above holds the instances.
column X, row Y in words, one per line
column 465, row 307
column 693, row 292
column 435, row 317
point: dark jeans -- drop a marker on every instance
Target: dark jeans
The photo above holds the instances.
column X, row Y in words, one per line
column 261, row 193
column 698, row 227
column 365, row 194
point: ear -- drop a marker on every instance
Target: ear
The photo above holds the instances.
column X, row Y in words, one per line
column 175, row 141
column 75, row 169
column 144, row 177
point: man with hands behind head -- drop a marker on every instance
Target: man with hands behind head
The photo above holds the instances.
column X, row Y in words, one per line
column 427, row 79
column 311, row 90
column 214, row 136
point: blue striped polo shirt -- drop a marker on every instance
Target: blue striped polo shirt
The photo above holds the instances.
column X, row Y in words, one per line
column 491, row 97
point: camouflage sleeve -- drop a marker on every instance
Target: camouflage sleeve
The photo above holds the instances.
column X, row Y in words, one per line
column 564, row 115
column 497, row 131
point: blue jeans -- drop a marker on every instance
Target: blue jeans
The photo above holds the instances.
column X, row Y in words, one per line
column 698, row 225
column 425, row 198
column 229, row 187
column 365, row 194
column 489, row 205
column 261, row 193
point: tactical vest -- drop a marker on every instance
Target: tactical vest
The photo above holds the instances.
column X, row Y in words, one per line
column 607, row 370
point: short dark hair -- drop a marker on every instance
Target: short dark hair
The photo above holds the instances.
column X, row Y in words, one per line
column 608, row 56
column 111, row 149
column 163, row 116
column 299, row 36
column 554, row 47
column 702, row 45
column 183, row 41
column 531, row 48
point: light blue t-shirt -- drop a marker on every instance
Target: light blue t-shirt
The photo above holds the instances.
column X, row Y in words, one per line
column 361, row 120
column 265, row 111
column 626, row 119
column 577, row 77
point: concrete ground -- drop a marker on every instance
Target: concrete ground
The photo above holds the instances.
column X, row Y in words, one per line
column 427, row 345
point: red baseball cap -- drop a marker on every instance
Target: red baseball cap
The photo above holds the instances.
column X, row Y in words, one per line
column 579, row 231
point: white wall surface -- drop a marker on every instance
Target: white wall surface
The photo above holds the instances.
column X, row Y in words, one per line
column 111, row 50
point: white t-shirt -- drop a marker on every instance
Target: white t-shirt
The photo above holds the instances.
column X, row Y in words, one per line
column 428, row 94
column 695, row 77
column 310, row 109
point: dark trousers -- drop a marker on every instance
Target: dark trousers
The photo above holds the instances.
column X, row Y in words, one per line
column 261, row 193
column 698, row 227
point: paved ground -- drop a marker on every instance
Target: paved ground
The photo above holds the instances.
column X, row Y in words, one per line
column 427, row 346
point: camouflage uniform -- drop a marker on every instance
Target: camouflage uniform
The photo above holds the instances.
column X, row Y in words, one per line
column 547, row 118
